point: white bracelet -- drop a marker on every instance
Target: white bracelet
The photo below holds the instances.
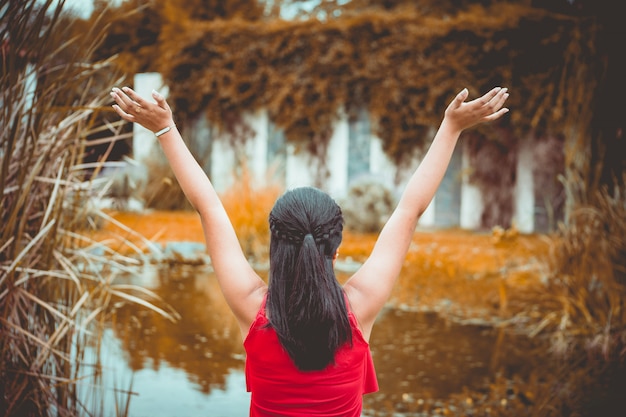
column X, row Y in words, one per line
column 164, row 130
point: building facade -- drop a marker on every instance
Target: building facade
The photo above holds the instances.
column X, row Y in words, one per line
column 354, row 153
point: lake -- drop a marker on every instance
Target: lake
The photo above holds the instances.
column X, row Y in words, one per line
column 195, row 366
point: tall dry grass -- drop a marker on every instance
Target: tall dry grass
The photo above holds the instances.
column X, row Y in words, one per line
column 588, row 287
column 56, row 285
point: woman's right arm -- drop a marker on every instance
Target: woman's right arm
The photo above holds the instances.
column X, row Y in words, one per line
column 242, row 287
column 370, row 287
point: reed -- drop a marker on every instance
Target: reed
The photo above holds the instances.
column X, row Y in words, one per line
column 56, row 285
column 589, row 278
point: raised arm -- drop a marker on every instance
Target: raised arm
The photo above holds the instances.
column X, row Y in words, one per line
column 369, row 288
column 242, row 287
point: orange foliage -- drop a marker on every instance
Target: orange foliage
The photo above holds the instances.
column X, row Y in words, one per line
column 401, row 63
column 248, row 205
column 476, row 275
column 403, row 67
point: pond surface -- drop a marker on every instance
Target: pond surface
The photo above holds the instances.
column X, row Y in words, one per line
column 195, row 366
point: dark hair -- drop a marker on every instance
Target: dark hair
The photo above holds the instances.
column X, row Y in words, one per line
column 305, row 303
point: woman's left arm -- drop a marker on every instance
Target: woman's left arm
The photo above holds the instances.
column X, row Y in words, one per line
column 242, row 287
column 370, row 287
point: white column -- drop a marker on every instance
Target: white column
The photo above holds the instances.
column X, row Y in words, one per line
column 143, row 139
column 524, row 216
column 297, row 168
column 471, row 197
column 381, row 166
column 337, row 158
column 222, row 163
column 256, row 148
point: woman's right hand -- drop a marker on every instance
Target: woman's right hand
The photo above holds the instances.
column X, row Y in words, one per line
column 134, row 108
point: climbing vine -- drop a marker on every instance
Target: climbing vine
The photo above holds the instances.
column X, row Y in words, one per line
column 402, row 64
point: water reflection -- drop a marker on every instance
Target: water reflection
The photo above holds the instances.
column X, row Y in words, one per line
column 200, row 359
column 420, row 356
column 205, row 343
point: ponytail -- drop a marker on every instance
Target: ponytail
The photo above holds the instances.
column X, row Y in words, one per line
column 306, row 304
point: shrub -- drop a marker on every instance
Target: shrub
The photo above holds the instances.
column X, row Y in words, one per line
column 367, row 206
column 589, row 277
column 248, row 204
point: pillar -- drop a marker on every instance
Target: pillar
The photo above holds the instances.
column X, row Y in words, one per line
column 471, row 197
column 524, row 193
column 337, row 158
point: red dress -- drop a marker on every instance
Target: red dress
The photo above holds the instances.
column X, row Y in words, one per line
column 279, row 388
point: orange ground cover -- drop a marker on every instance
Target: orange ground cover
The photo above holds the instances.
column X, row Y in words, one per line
column 156, row 226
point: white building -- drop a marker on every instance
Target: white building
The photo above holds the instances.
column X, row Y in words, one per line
column 353, row 152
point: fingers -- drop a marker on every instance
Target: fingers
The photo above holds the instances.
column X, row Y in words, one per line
column 160, row 100
column 496, row 115
column 490, row 95
column 460, row 98
column 123, row 114
column 122, row 99
column 492, row 99
column 134, row 97
column 494, row 106
column 491, row 103
column 500, row 98
column 131, row 102
column 132, row 107
column 497, row 99
column 124, row 106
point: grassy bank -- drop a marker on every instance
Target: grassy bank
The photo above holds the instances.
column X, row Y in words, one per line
column 55, row 289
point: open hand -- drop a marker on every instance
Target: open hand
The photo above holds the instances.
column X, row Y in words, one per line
column 462, row 115
column 134, row 108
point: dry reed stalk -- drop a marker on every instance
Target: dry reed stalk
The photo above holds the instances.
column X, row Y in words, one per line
column 589, row 282
column 54, row 292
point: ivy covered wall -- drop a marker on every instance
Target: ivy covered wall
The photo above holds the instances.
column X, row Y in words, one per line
column 400, row 61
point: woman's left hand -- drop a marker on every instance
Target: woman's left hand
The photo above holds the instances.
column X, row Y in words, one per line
column 461, row 115
column 134, row 108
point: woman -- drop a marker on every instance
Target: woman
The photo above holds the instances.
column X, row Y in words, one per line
column 306, row 337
